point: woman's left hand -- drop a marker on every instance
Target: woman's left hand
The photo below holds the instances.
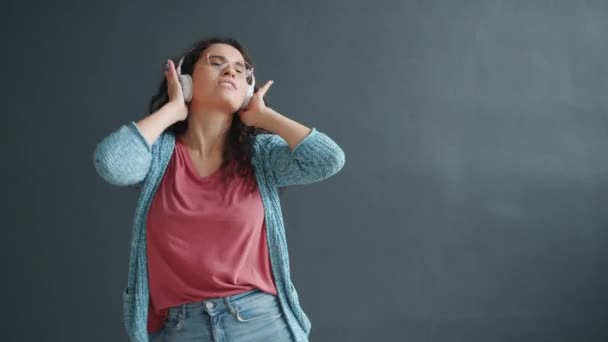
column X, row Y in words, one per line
column 256, row 108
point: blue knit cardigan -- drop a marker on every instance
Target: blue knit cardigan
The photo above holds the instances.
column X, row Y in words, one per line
column 124, row 158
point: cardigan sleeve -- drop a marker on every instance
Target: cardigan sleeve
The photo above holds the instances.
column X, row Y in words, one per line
column 123, row 157
column 313, row 159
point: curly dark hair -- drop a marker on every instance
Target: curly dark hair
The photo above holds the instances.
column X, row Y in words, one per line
column 239, row 137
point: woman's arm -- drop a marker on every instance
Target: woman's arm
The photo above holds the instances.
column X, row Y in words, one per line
column 296, row 154
column 123, row 157
column 153, row 125
column 291, row 131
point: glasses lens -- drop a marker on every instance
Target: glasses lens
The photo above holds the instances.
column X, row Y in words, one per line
column 240, row 68
column 243, row 70
column 217, row 60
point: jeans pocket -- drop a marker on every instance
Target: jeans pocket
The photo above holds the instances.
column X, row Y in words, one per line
column 261, row 306
column 175, row 320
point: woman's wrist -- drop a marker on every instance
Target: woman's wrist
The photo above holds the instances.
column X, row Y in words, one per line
column 176, row 111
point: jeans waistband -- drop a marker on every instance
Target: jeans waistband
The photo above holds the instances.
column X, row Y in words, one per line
column 216, row 303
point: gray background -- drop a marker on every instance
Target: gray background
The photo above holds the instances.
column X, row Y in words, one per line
column 471, row 206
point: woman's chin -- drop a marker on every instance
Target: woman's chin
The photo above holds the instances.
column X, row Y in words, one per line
column 230, row 105
column 226, row 101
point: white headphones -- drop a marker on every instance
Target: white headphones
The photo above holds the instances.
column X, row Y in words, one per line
column 186, row 82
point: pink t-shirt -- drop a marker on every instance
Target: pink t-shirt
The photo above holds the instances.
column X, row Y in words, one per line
column 203, row 241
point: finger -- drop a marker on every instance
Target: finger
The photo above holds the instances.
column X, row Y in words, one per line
column 171, row 73
column 168, row 70
column 265, row 87
column 172, row 70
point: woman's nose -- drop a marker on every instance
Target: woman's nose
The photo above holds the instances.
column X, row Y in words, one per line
column 229, row 70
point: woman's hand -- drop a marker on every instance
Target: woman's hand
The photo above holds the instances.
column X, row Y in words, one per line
column 176, row 95
column 256, row 108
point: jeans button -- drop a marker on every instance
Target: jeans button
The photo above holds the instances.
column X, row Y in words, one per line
column 209, row 305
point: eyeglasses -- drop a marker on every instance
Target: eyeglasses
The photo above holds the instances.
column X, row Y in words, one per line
column 243, row 70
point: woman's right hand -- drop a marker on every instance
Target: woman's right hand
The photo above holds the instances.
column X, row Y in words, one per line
column 174, row 89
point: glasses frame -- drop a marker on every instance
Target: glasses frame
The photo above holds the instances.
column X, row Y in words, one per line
column 248, row 67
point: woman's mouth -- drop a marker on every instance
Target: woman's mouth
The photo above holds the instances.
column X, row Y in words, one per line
column 228, row 84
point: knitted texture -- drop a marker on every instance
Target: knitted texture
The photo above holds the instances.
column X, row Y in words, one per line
column 124, row 158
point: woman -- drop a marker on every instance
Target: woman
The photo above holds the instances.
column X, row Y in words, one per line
column 209, row 258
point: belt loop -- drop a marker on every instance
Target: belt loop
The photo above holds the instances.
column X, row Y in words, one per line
column 229, row 305
column 183, row 311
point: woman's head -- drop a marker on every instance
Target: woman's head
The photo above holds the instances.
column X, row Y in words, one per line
column 201, row 63
column 221, row 72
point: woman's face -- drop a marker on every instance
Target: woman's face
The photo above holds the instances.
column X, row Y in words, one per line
column 217, row 85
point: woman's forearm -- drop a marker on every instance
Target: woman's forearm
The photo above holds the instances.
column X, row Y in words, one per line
column 154, row 124
column 290, row 130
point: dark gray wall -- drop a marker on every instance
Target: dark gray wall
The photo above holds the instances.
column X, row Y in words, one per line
column 471, row 206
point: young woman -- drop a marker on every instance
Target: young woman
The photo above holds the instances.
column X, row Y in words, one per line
column 209, row 258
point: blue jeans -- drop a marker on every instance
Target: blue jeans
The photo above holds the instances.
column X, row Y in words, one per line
column 250, row 316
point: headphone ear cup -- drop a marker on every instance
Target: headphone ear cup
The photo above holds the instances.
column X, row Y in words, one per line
column 250, row 91
column 186, row 82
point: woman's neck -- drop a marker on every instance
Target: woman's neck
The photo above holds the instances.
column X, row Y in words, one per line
column 206, row 132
